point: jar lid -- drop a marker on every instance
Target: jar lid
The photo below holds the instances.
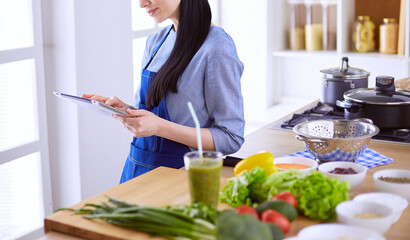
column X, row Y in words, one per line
column 389, row 20
column 372, row 96
column 363, row 17
column 344, row 72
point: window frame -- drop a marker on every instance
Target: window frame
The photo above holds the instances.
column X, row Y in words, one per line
column 40, row 145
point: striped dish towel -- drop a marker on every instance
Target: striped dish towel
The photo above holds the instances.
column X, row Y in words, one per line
column 369, row 158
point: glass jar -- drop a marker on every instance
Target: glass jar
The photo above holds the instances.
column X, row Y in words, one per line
column 389, row 32
column 329, row 8
column 297, row 24
column 314, row 25
column 363, row 34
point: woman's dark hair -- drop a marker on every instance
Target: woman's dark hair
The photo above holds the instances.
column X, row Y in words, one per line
column 194, row 23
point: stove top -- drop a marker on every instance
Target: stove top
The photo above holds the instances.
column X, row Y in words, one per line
column 324, row 111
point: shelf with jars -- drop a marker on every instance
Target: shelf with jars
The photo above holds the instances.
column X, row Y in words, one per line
column 311, row 35
column 338, row 27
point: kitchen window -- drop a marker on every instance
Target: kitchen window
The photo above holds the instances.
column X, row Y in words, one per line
column 25, row 192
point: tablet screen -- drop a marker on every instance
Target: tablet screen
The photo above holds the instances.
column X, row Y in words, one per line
column 92, row 104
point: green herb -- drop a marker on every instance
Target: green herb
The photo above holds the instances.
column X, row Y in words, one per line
column 157, row 221
column 318, row 195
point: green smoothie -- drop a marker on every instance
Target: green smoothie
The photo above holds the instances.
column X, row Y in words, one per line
column 204, row 180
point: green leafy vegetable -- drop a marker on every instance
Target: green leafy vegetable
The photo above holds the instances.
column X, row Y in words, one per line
column 279, row 182
column 242, row 190
column 318, row 195
column 254, row 187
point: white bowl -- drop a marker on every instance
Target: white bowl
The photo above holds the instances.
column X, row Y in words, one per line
column 347, row 211
column 402, row 189
column 396, row 202
column 334, row 231
column 297, row 160
column 354, row 179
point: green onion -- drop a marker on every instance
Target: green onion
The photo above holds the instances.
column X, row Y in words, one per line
column 156, row 221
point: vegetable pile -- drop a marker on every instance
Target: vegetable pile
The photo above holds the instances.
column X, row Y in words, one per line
column 317, row 195
column 277, row 213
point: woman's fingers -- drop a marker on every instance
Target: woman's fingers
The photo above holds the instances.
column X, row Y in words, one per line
column 95, row 97
column 138, row 112
column 112, row 101
column 87, row 95
column 116, row 102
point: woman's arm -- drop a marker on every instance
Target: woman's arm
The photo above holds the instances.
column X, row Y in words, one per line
column 145, row 124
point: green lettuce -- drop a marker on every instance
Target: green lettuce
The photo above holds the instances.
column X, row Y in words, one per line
column 255, row 187
column 279, row 182
column 318, row 195
column 241, row 190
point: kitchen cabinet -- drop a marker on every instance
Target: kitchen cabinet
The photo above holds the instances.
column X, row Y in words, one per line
column 295, row 73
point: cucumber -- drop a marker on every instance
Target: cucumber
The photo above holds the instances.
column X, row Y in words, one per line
column 278, row 205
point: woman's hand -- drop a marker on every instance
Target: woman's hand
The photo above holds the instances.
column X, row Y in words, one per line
column 112, row 101
column 142, row 123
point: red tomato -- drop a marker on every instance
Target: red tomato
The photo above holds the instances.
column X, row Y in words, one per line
column 245, row 209
column 287, row 197
column 275, row 217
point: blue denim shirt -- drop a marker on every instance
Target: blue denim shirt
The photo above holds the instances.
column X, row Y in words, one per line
column 211, row 82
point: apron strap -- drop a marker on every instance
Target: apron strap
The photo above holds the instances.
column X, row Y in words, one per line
column 156, row 50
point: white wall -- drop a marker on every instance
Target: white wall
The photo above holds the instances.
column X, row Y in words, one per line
column 246, row 22
column 87, row 49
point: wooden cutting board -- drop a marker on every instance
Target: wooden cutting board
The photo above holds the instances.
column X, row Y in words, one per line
column 160, row 187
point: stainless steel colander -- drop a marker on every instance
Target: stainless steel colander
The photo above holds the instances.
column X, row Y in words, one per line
column 336, row 140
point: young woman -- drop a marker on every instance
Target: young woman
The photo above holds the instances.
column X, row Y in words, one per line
column 190, row 61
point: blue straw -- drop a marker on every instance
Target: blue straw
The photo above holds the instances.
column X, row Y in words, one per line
column 198, row 129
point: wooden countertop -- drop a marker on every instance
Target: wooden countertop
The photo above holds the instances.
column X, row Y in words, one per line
column 279, row 143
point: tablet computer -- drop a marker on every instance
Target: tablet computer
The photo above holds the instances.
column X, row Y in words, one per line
column 92, row 104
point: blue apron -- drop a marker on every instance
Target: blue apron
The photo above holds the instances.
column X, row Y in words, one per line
column 147, row 153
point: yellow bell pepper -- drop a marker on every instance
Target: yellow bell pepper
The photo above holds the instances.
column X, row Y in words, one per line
column 262, row 159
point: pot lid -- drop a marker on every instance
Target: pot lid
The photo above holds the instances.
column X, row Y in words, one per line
column 344, row 72
column 372, row 96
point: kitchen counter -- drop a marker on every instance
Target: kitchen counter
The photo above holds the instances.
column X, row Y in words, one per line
column 279, row 143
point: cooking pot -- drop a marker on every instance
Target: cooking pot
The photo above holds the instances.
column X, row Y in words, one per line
column 336, row 81
column 388, row 108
